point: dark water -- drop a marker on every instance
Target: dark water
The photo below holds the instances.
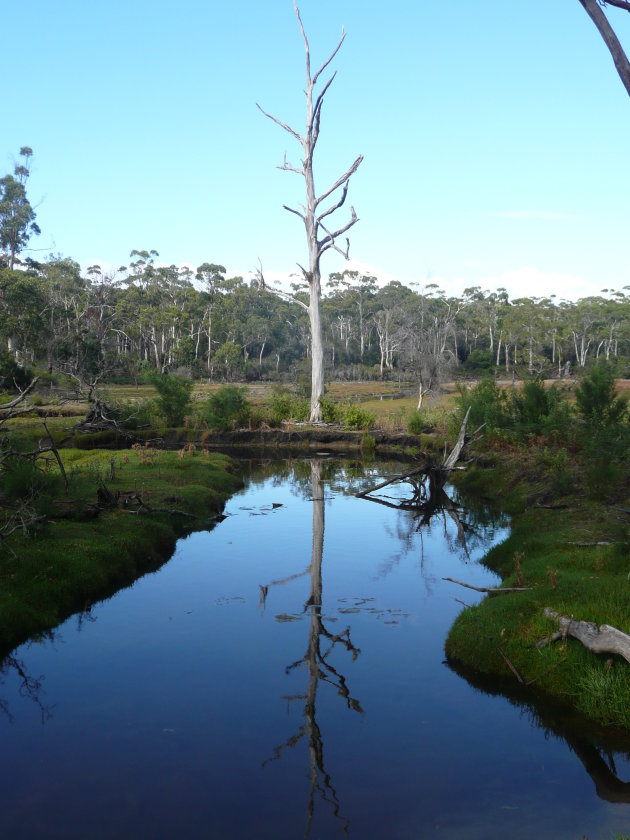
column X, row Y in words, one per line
column 283, row 676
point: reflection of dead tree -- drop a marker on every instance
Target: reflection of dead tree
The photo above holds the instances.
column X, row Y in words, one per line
column 29, row 687
column 428, row 496
column 316, row 660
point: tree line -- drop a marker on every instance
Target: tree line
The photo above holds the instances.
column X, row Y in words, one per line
column 147, row 317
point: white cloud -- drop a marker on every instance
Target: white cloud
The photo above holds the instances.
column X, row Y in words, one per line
column 533, row 282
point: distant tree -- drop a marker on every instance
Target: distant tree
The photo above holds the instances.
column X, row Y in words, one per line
column 320, row 236
column 17, row 217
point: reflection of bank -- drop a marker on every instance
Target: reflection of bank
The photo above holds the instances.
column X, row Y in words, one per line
column 595, row 748
column 321, row 643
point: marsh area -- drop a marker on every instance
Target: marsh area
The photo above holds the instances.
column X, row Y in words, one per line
column 283, row 675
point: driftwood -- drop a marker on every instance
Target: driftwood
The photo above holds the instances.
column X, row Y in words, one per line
column 491, row 590
column 602, row 639
column 591, row 544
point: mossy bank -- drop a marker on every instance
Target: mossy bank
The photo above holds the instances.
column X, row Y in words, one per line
column 572, row 553
column 83, row 551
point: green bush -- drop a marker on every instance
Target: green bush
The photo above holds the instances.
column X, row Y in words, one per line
column 597, row 401
column 355, row 417
column 174, row 397
column 227, row 408
column 282, row 405
column 488, row 405
column 415, row 423
column 332, row 411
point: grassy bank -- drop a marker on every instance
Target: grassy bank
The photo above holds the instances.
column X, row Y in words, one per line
column 81, row 553
column 573, row 554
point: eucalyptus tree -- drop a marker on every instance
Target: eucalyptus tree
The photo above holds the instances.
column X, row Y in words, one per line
column 321, row 235
column 358, row 290
column 17, row 217
column 212, row 277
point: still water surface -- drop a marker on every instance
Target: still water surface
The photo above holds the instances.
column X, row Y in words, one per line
column 283, row 676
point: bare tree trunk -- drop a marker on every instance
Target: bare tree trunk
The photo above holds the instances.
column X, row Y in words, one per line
column 312, row 217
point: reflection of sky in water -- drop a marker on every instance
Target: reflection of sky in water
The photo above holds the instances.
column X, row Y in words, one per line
column 169, row 703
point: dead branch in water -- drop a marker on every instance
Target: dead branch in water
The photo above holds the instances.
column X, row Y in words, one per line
column 491, row 590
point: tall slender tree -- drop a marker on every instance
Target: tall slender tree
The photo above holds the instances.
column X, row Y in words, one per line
column 17, row 217
column 321, row 236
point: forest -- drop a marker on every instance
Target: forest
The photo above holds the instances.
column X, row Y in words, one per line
column 57, row 319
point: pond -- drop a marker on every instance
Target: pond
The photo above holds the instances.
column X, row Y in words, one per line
column 283, row 676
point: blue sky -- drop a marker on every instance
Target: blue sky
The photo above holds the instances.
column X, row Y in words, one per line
column 495, row 136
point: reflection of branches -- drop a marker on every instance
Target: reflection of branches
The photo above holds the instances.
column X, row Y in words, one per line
column 590, row 744
column 316, row 660
column 29, row 687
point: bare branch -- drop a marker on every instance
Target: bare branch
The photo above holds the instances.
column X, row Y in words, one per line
column 306, row 46
column 291, row 210
column 620, row 4
column 329, row 240
column 320, row 98
column 334, row 206
column 330, row 58
column 282, row 124
column 594, row 11
column 6, row 407
column 345, row 177
column 289, row 298
column 289, row 167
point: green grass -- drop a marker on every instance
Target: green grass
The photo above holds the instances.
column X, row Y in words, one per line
column 588, row 583
column 75, row 560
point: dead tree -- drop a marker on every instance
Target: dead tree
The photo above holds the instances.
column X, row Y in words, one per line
column 321, row 235
column 594, row 11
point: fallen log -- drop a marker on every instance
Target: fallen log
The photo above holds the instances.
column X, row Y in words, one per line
column 492, row 590
column 602, row 639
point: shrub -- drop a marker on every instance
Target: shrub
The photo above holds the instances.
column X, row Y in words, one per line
column 488, row 405
column 597, row 401
column 355, row 417
column 227, row 408
column 174, row 397
column 415, row 423
column 279, row 405
column 332, row 411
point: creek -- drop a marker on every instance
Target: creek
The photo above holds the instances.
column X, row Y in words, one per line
column 283, row 676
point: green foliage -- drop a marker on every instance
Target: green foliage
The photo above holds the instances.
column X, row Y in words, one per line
column 416, row 424
column 597, row 401
column 20, row 478
column 12, row 376
column 282, row 405
column 605, row 434
column 174, row 397
column 488, row 405
column 537, row 410
column 332, row 411
column 227, row 408
column 480, row 361
column 355, row 417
